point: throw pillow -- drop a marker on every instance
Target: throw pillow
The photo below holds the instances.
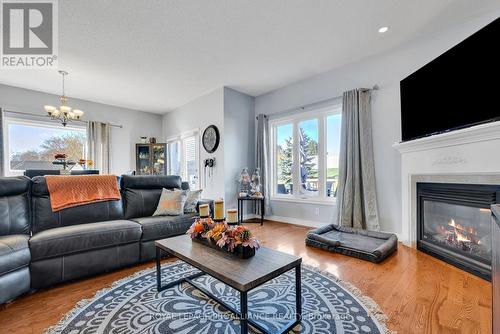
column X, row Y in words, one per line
column 192, row 200
column 193, row 197
column 171, row 203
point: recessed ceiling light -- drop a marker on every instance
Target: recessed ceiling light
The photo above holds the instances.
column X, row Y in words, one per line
column 383, row 29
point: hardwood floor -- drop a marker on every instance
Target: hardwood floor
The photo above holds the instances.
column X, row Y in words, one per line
column 418, row 293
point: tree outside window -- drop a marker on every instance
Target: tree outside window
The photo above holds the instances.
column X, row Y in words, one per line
column 306, row 155
column 284, row 152
column 33, row 146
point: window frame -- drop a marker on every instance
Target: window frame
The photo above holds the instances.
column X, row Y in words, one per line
column 27, row 121
column 180, row 138
column 321, row 115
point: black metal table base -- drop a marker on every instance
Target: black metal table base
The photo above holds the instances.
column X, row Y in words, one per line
column 241, row 201
column 242, row 314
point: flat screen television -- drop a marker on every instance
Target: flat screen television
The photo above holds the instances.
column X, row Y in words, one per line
column 458, row 89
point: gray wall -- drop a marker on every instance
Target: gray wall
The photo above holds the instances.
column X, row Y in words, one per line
column 135, row 123
column 239, row 141
column 386, row 70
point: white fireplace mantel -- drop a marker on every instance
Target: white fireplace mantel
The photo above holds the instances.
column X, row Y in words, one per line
column 478, row 133
column 470, row 155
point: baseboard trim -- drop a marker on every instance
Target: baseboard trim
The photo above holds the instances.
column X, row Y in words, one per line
column 289, row 220
column 303, row 222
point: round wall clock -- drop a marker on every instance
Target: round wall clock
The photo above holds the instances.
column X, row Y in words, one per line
column 211, row 138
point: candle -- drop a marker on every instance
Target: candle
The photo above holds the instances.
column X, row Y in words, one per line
column 232, row 216
column 219, row 209
column 204, row 210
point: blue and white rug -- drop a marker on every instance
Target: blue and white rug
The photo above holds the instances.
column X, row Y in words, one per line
column 132, row 305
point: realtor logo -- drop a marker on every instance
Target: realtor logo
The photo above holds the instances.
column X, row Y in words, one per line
column 29, row 34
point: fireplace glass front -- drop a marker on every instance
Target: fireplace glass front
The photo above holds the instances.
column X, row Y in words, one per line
column 462, row 229
column 454, row 224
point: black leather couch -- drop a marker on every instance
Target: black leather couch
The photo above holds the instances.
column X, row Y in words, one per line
column 140, row 196
column 79, row 241
column 14, row 236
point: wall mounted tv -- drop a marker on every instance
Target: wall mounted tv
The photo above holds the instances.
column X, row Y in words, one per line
column 458, row 89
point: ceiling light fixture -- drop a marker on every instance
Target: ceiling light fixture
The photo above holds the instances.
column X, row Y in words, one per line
column 383, row 29
column 65, row 113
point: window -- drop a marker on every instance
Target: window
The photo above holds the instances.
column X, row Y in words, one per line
column 190, row 163
column 33, row 144
column 183, row 157
column 332, row 154
column 174, row 158
column 308, row 149
column 284, row 158
column 305, row 155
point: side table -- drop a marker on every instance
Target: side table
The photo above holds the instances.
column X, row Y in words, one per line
column 242, row 200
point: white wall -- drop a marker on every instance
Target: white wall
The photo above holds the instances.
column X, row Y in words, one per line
column 135, row 123
column 385, row 70
column 239, row 141
column 198, row 114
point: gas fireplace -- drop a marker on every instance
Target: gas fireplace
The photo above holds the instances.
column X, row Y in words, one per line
column 454, row 224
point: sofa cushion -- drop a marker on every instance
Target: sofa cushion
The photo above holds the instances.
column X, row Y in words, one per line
column 141, row 193
column 14, row 252
column 14, row 205
column 44, row 218
column 159, row 227
column 78, row 238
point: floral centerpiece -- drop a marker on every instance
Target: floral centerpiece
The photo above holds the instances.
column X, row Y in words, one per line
column 237, row 240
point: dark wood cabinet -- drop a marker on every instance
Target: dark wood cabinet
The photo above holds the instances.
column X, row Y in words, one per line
column 495, row 270
column 151, row 159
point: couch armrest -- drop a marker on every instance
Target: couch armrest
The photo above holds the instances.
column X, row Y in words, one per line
column 210, row 203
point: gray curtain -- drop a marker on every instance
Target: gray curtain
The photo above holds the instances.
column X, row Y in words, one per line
column 262, row 159
column 356, row 195
column 98, row 145
column 2, row 162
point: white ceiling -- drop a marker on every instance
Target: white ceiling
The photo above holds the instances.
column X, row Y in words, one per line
column 156, row 55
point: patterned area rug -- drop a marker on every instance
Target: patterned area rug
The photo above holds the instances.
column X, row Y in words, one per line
column 132, row 305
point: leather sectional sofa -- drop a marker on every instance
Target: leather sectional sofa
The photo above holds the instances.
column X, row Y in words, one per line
column 14, row 237
column 40, row 248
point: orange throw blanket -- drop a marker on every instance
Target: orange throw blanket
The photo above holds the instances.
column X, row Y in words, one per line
column 69, row 191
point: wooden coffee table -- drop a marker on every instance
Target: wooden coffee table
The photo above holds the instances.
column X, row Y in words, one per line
column 241, row 275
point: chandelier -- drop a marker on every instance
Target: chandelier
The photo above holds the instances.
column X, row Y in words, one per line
column 65, row 113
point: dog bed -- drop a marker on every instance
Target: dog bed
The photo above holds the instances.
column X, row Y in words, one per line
column 367, row 245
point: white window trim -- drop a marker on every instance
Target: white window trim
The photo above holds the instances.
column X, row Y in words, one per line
column 8, row 120
column 320, row 114
column 180, row 138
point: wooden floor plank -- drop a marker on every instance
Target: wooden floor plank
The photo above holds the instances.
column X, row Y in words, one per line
column 418, row 293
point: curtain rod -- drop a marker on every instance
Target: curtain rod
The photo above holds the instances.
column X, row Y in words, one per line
column 41, row 116
column 331, row 99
